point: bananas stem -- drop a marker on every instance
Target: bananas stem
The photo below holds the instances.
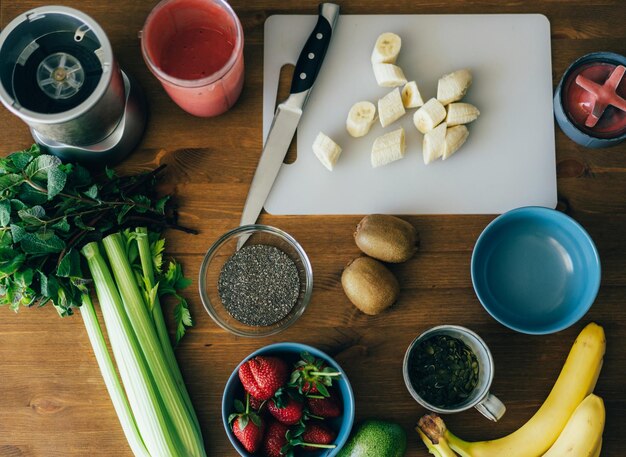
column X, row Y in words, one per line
column 441, row 449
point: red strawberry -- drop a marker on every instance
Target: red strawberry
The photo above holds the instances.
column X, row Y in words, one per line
column 325, row 408
column 255, row 403
column 275, row 439
column 250, row 435
column 263, row 376
column 312, row 375
column 317, row 435
column 247, row 426
column 286, row 410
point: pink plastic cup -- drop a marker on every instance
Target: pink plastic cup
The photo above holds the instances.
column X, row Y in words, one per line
column 195, row 49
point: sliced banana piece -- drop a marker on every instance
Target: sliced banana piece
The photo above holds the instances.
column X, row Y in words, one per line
column 389, row 75
column 360, row 118
column 411, row 97
column 434, row 143
column 388, row 148
column 455, row 137
column 326, row 150
column 429, row 116
column 387, row 48
column 453, row 86
column 461, row 113
column 390, row 108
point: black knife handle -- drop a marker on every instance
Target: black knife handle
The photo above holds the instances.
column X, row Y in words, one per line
column 312, row 55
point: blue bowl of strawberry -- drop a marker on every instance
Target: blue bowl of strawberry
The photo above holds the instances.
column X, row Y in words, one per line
column 288, row 399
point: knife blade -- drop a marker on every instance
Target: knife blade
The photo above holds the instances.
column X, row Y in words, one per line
column 289, row 112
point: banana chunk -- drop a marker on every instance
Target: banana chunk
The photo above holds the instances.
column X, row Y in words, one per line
column 434, row 144
column 429, row 116
column 453, row 86
column 388, row 148
column 411, row 97
column 461, row 113
column 360, row 118
column 455, row 137
column 326, row 150
column 387, row 48
column 389, row 75
column 390, row 108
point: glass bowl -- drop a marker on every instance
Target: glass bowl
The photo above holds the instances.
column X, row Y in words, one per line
column 224, row 248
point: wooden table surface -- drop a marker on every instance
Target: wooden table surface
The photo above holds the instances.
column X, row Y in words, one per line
column 52, row 398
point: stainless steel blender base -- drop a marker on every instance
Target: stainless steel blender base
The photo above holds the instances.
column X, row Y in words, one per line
column 118, row 144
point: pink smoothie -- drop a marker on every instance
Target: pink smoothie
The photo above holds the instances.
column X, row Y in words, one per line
column 194, row 47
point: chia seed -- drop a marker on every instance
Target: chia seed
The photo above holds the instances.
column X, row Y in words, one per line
column 259, row 285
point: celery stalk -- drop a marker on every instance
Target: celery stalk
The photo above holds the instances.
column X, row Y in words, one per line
column 143, row 397
column 111, row 380
column 141, row 322
column 145, row 256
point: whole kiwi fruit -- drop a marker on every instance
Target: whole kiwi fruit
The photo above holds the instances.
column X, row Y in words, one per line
column 386, row 238
column 369, row 285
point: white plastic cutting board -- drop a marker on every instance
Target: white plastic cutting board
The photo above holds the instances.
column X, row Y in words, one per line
column 508, row 160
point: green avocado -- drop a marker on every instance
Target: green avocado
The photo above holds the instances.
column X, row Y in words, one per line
column 375, row 438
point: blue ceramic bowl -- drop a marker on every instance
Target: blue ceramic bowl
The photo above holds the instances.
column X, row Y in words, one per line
column 291, row 353
column 535, row 270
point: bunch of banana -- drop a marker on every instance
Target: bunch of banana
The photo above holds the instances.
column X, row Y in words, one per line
column 569, row 423
column 450, row 89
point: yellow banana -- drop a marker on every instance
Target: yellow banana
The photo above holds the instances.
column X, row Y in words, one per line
column 577, row 380
column 598, row 450
column 583, row 432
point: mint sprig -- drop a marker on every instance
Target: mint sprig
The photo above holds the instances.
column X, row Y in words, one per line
column 49, row 209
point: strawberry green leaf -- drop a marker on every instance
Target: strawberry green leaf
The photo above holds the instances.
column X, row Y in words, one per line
column 307, row 357
column 256, row 420
column 239, row 406
column 322, row 389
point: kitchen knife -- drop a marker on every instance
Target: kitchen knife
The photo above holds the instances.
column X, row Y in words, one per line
column 289, row 112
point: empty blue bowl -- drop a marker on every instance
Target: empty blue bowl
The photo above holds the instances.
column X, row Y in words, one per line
column 535, row 270
column 290, row 352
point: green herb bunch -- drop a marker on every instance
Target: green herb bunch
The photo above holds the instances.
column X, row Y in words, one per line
column 49, row 209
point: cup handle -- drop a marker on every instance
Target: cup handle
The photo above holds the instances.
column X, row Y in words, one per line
column 491, row 407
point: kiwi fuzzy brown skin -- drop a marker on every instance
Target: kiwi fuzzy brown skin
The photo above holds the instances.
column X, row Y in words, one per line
column 386, row 238
column 369, row 285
